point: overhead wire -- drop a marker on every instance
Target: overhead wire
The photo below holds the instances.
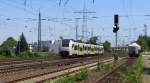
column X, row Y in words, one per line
column 24, row 4
column 66, row 2
column 129, row 20
column 32, row 19
column 17, row 7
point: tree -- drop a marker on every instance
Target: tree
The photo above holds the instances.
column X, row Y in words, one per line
column 143, row 43
column 22, row 45
column 148, row 42
column 107, row 46
column 10, row 42
column 93, row 40
column 6, row 49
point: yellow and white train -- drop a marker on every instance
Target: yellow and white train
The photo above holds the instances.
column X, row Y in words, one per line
column 72, row 48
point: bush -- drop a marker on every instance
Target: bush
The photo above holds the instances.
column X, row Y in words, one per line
column 104, row 66
column 5, row 51
column 83, row 74
column 24, row 54
column 67, row 78
column 134, row 74
column 2, row 57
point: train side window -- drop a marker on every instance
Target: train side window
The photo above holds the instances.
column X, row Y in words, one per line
column 88, row 48
column 92, row 49
column 75, row 47
column 80, row 48
column 83, row 48
column 72, row 45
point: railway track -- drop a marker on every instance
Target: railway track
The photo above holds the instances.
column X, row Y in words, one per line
column 20, row 61
column 39, row 64
column 57, row 74
column 18, row 72
column 54, row 75
column 112, row 76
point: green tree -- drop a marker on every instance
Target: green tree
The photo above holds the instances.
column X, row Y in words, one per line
column 10, row 42
column 107, row 46
column 22, row 45
column 93, row 40
column 143, row 42
column 7, row 46
column 148, row 42
column 5, row 51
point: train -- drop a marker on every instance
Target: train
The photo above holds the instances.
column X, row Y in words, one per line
column 134, row 50
column 72, row 48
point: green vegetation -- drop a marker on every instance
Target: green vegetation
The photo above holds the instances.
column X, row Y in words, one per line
column 10, row 42
column 93, row 40
column 134, row 74
column 107, row 46
column 83, row 74
column 68, row 78
column 11, row 49
column 5, row 51
column 22, row 45
column 5, row 48
column 104, row 66
column 144, row 42
column 27, row 55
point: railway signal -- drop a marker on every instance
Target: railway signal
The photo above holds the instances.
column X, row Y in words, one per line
column 115, row 30
column 116, row 26
column 116, row 23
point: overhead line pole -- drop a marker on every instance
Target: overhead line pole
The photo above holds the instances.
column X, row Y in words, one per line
column 77, row 21
column 84, row 24
column 145, row 31
column 39, row 31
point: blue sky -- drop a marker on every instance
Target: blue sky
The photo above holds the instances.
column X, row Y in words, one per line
column 14, row 14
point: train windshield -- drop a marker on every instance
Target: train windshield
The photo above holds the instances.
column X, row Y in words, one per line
column 65, row 43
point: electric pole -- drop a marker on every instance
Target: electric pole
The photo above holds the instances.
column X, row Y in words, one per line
column 91, row 32
column 77, row 21
column 39, row 31
column 145, row 31
column 84, row 23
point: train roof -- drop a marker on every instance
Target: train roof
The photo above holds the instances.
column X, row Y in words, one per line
column 81, row 42
column 135, row 45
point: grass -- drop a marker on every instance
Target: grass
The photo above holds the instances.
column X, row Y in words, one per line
column 133, row 74
column 72, row 78
column 28, row 55
column 104, row 66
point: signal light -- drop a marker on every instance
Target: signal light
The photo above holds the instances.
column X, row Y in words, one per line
column 116, row 19
column 115, row 29
column 116, row 23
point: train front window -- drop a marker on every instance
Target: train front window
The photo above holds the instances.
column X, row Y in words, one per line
column 65, row 43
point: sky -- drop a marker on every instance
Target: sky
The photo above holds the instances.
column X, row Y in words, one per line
column 19, row 16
